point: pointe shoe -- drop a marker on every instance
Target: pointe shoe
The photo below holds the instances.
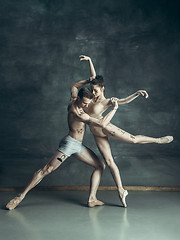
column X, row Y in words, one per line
column 14, row 203
column 123, row 198
column 166, row 139
column 95, row 203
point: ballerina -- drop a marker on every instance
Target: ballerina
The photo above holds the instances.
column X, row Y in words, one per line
column 95, row 109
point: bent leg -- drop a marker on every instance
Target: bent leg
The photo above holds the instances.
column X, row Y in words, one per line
column 90, row 158
column 53, row 164
column 105, row 150
column 114, row 132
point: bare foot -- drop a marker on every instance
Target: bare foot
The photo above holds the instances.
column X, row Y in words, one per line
column 123, row 198
column 14, row 202
column 166, row 139
column 95, row 203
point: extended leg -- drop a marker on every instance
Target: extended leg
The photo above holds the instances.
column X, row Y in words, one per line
column 105, row 150
column 90, row 158
column 119, row 134
column 53, row 164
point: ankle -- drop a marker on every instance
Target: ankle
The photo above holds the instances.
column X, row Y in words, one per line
column 92, row 198
column 21, row 195
column 121, row 190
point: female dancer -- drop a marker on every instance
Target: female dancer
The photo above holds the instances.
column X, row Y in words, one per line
column 95, row 109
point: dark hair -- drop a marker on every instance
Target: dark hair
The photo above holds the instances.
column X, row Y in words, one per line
column 85, row 92
column 98, row 81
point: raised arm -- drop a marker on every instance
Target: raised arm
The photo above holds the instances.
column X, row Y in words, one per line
column 92, row 69
column 75, row 86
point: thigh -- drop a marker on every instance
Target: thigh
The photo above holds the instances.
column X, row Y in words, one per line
column 57, row 159
column 118, row 134
column 89, row 157
column 104, row 147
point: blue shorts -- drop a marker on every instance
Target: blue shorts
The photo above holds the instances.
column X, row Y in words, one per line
column 69, row 146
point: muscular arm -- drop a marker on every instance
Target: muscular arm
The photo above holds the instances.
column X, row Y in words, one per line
column 75, row 86
column 92, row 69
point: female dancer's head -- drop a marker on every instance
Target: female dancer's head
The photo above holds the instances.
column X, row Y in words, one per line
column 97, row 85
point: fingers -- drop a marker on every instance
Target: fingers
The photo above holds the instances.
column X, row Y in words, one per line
column 114, row 99
column 147, row 95
column 114, row 102
column 144, row 93
column 83, row 57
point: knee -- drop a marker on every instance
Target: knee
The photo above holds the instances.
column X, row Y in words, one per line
column 44, row 171
column 49, row 169
column 110, row 162
column 102, row 166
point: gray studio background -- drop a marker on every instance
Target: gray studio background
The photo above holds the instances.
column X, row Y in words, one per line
column 133, row 44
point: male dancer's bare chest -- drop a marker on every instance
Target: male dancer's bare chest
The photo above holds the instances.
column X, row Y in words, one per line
column 74, row 122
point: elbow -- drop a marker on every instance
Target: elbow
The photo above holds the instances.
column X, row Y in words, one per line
column 103, row 123
column 93, row 76
column 73, row 85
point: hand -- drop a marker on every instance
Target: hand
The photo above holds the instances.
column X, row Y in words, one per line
column 143, row 93
column 114, row 102
column 83, row 57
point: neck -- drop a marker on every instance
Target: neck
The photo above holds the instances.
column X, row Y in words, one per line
column 99, row 98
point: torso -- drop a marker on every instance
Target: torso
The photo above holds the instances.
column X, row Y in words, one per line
column 76, row 126
column 96, row 109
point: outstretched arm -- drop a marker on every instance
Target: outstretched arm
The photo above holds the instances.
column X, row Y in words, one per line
column 92, row 69
column 129, row 98
column 133, row 96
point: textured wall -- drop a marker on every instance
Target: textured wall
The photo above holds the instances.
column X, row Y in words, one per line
column 134, row 45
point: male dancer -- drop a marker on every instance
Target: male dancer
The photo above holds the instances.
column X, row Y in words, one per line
column 72, row 144
column 100, row 104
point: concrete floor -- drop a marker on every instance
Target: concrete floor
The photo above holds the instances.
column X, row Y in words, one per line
column 64, row 215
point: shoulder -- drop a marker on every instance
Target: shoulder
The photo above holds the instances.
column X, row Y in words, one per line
column 71, row 104
column 107, row 102
column 72, row 100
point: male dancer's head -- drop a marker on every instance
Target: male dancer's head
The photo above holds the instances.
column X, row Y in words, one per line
column 84, row 97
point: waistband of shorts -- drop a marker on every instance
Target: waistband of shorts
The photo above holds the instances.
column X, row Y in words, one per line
column 72, row 139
